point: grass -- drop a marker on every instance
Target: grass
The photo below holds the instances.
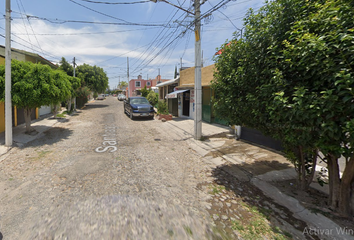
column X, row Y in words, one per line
column 258, row 226
column 217, row 189
column 188, row 230
column 61, row 115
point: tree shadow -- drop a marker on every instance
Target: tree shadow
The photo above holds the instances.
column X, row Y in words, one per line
column 49, row 137
column 93, row 106
column 228, row 177
column 249, row 202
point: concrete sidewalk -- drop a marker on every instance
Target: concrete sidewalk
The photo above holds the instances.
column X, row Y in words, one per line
column 20, row 138
column 247, row 162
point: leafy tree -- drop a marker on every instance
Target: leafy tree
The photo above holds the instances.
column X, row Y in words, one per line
column 145, row 91
column 176, row 74
column 291, row 76
column 34, row 85
column 66, row 67
column 122, row 84
column 153, row 98
column 93, row 77
column 75, row 82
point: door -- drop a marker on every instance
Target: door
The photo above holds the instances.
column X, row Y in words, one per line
column 186, row 97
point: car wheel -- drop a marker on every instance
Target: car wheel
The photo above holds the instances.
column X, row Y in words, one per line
column 131, row 114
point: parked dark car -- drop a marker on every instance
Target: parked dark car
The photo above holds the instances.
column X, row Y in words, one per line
column 138, row 107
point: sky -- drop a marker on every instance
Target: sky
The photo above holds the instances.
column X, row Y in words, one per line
column 151, row 38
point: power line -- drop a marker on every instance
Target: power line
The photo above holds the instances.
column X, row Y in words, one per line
column 99, row 12
column 84, row 33
column 116, row 3
column 60, row 21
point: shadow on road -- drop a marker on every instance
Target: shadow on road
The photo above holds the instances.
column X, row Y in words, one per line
column 251, row 205
column 91, row 106
column 49, row 137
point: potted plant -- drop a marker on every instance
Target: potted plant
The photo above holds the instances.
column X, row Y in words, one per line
column 162, row 111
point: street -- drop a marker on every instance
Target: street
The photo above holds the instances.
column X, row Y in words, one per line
column 97, row 153
column 97, row 174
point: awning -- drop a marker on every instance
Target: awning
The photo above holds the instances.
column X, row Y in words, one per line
column 174, row 94
column 169, row 82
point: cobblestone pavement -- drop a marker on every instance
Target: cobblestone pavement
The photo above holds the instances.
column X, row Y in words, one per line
column 100, row 175
column 62, row 170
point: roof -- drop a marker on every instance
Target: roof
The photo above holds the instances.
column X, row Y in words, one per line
column 32, row 55
column 227, row 45
column 169, row 82
column 137, row 97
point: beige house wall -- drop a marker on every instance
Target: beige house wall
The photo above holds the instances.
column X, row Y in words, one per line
column 187, row 76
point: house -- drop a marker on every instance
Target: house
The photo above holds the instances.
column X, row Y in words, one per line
column 165, row 88
column 184, row 94
column 18, row 114
column 135, row 85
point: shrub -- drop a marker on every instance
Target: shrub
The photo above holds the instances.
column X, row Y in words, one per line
column 162, row 108
column 152, row 97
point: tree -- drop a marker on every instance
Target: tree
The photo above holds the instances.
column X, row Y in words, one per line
column 93, row 77
column 176, row 74
column 145, row 91
column 122, row 84
column 153, row 98
column 66, row 67
column 291, row 77
column 34, row 85
column 75, row 82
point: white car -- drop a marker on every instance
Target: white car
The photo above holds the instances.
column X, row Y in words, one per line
column 121, row 97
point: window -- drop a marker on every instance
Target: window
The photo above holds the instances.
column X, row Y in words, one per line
column 148, row 84
column 137, row 84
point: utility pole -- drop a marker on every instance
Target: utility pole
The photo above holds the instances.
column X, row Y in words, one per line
column 128, row 76
column 198, row 74
column 198, row 68
column 74, row 64
column 8, row 103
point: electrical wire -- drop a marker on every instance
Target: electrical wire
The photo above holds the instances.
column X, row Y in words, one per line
column 60, row 21
column 85, row 33
column 99, row 12
column 116, row 3
column 31, row 26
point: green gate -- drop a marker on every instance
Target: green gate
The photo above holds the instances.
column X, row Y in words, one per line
column 206, row 104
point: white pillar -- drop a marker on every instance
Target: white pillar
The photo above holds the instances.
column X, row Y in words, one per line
column 198, row 75
column 8, row 103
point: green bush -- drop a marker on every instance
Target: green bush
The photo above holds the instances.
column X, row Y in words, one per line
column 162, row 108
column 153, row 98
column 95, row 95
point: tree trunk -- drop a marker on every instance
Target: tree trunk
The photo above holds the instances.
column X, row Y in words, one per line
column 55, row 110
column 27, row 113
column 69, row 105
column 334, row 180
column 314, row 164
column 303, row 183
column 346, row 190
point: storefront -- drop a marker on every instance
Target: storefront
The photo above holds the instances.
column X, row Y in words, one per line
column 185, row 101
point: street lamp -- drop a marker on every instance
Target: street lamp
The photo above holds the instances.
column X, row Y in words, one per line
column 198, row 68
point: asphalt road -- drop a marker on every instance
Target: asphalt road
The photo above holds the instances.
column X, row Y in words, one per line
column 100, row 175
